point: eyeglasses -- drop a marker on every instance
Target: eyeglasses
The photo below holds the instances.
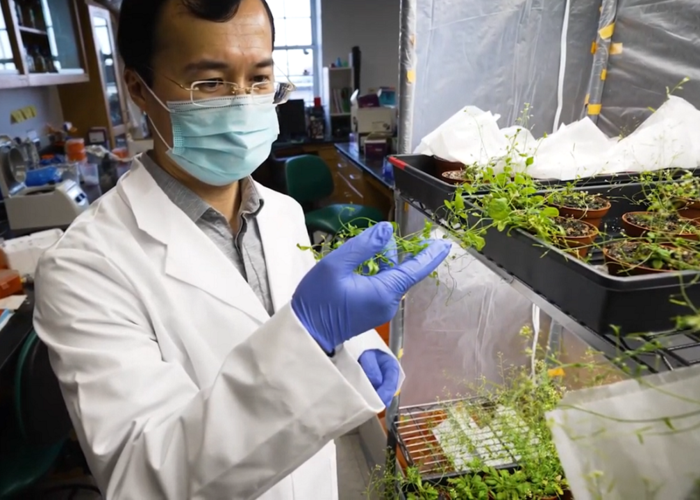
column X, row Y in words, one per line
column 204, row 92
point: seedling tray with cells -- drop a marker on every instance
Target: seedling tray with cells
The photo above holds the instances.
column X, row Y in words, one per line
column 582, row 287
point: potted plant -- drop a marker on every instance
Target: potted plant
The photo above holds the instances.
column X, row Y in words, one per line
column 666, row 223
column 632, row 258
column 683, row 193
column 442, row 165
column 466, row 174
column 580, row 205
column 664, row 197
column 575, row 235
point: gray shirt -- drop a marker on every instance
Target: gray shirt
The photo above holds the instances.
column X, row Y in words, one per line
column 244, row 249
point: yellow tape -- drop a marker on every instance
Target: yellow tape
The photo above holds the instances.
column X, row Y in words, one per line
column 604, row 75
column 594, row 47
column 594, row 109
column 555, row 372
column 615, row 49
column 607, row 31
column 411, row 75
column 588, row 99
column 397, row 393
column 400, row 353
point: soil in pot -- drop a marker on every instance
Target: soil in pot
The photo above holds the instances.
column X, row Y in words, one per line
column 455, row 177
column 590, row 208
column 637, row 224
column 462, row 176
column 442, row 166
column 578, row 236
column 634, row 258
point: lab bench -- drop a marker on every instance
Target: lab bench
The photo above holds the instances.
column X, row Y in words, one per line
column 362, row 180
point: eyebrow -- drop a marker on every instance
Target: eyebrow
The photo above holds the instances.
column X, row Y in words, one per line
column 212, row 65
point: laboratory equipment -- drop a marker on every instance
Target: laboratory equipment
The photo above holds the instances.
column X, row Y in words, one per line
column 41, row 207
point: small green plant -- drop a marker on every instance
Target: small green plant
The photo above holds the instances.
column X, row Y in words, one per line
column 649, row 254
column 569, row 197
column 405, row 247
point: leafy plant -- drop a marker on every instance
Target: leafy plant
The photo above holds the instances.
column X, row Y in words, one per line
column 654, row 255
column 405, row 247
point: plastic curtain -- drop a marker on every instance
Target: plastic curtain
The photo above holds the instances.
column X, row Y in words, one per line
column 500, row 55
column 656, row 46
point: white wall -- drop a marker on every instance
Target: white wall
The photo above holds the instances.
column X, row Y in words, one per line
column 44, row 99
column 373, row 25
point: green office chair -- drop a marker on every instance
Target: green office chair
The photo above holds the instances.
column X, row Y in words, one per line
column 309, row 180
column 33, row 441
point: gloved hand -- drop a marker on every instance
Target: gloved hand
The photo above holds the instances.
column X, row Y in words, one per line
column 382, row 370
column 335, row 304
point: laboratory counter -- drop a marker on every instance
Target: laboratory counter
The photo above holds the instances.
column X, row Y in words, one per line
column 374, row 168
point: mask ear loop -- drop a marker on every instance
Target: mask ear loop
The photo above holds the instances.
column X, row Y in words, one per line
column 153, row 94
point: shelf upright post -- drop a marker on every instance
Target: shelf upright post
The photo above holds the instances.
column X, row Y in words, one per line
column 396, row 333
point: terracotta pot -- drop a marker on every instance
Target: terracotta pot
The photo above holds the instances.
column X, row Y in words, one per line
column 636, row 231
column 691, row 210
column 446, row 177
column 593, row 217
column 620, row 268
column 445, row 166
column 579, row 245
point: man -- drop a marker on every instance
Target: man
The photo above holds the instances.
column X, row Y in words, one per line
column 201, row 354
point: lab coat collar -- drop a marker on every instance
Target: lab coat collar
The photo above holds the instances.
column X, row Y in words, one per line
column 191, row 256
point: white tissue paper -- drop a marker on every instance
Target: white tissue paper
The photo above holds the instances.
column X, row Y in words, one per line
column 573, row 151
column 632, row 440
column 469, row 136
column 667, row 139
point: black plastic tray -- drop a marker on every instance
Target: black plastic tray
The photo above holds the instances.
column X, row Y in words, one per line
column 584, row 290
column 416, row 177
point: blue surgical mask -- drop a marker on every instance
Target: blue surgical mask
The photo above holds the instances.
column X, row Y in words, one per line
column 224, row 141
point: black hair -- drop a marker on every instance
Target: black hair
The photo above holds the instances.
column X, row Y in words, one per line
column 138, row 22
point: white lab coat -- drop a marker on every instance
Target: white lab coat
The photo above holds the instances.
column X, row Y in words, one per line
column 178, row 382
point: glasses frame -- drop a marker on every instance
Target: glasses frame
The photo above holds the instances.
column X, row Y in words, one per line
column 236, row 89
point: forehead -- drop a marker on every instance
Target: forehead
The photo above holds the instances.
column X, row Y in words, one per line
column 183, row 38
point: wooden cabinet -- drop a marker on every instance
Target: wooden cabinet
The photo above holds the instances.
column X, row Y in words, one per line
column 351, row 183
column 40, row 43
column 102, row 101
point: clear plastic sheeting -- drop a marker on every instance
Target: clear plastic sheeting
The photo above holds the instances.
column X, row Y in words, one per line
column 500, row 55
column 463, row 327
column 635, row 439
column 658, row 46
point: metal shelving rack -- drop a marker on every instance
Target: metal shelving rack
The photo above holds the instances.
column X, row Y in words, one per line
column 680, row 349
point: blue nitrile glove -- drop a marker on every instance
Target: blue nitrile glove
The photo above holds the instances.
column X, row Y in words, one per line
column 382, row 370
column 335, row 304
